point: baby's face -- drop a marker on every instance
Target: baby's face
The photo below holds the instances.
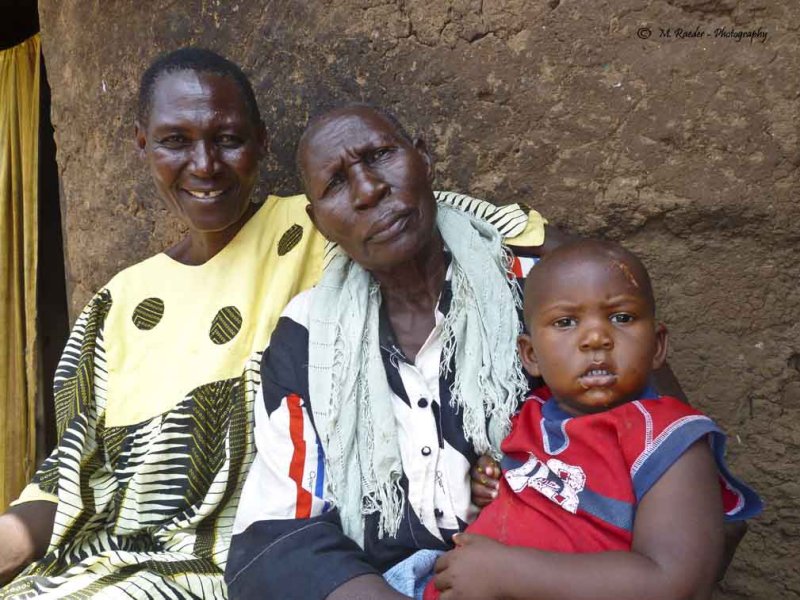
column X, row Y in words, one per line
column 593, row 334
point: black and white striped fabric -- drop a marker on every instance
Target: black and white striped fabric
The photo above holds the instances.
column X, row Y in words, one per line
column 145, row 510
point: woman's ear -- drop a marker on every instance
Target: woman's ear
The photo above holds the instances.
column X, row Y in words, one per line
column 527, row 355
column 310, row 213
column 140, row 139
column 421, row 147
column 662, row 346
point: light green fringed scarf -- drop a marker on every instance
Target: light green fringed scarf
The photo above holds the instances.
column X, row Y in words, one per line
column 350, row 395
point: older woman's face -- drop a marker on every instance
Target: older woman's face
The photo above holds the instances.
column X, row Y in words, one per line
column 202, row 148
column 369, row 188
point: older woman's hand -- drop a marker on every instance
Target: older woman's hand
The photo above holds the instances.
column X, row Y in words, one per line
column 485, row 483
column 25, row 531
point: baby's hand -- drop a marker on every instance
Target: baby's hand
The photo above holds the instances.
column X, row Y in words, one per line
column 473, row 570
column 485, row 480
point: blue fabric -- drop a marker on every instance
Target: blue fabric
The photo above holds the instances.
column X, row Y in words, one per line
column 753, row 505
column 277, row 559
column 409, row 577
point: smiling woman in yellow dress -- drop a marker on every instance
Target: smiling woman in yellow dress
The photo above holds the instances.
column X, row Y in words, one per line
column 155, row 387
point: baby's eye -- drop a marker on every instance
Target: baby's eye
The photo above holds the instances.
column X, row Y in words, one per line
column 621, row 318
column 565, row 322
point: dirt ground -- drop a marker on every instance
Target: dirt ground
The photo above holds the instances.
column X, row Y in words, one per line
column 615, row 119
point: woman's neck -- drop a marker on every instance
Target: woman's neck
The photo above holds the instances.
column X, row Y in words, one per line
column 198, row 247
column 419, row 280
column 410, row 292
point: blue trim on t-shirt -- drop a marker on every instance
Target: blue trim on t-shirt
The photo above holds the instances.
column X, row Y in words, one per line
column 554, row 421
column 669, row 450
column 672, row 447
column 753, row 504
column 610, row 510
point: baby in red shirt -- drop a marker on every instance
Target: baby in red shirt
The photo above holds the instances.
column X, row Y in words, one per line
column 607, row 489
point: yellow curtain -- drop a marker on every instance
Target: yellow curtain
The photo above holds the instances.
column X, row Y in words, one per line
column 19, row 356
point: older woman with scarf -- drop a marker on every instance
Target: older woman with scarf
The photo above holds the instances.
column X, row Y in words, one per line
column 384, row 383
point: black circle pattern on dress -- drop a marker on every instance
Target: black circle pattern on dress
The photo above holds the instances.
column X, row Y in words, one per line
column 290, row 239
column 148, row 313
column 226, row 324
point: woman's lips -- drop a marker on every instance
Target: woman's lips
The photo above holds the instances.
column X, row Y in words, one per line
column 597, row 377
column 388, row 228
column 205, row 196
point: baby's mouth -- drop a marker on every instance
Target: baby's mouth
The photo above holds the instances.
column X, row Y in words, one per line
column 597, row 376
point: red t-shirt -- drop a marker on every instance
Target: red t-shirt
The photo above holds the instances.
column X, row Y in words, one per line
column 572, row 484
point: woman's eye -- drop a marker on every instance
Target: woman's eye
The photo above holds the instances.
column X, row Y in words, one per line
column 378, row 154
column 173, row 141
column 621, row 318
column 333, row 184
column 229, row 141
column 564, row 322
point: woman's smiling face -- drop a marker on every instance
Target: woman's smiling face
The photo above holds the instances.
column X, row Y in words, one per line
column 202, row 147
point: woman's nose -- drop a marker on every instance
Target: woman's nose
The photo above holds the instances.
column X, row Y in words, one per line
column 204, row 160
column 369, row 188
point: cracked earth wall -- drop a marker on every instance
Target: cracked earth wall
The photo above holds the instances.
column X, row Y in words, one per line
column 684, row 148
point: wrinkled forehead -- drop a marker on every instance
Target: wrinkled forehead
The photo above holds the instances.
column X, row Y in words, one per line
column 344, row 132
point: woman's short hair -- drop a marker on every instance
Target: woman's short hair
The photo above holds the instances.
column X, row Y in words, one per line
column 199, row 60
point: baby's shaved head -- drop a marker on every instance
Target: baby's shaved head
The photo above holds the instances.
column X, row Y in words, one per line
column 605, row 255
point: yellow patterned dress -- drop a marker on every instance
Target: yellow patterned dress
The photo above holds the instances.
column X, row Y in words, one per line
column 154, row 398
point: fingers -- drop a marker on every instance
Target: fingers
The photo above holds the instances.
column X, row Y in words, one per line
column 480, row 475
column 486, row 467
column 484, row 483
column 442, row 582
column 463, row 539
column 481, row 494
column 441, row 563
column 442, row 579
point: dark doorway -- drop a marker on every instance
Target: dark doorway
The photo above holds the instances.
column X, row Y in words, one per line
column 20, row 21
column 52, row 311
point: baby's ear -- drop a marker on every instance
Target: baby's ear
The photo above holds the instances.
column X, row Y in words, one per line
column 662, row 345
column 527, row 355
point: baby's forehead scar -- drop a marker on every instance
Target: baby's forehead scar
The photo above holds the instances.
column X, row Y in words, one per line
column 626, row 272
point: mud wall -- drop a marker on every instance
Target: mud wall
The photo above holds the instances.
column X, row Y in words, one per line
column 684, row 146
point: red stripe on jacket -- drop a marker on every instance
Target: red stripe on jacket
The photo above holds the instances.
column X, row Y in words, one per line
column 303, row 506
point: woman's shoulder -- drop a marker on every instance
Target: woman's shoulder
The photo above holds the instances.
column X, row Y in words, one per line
column 287, row 207
column 148, row 268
